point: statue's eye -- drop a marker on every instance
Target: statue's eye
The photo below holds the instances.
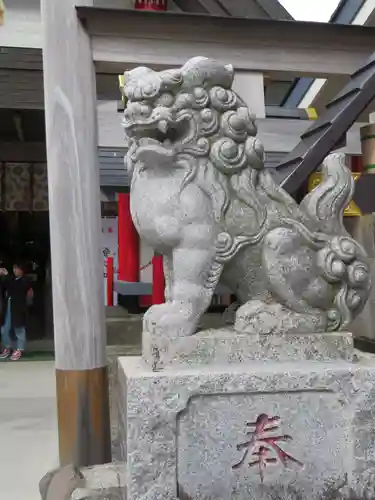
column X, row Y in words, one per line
column 166, row 100
column 148, row 89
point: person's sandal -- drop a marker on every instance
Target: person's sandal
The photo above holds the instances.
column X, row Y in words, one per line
column 6, row 353
column 16, row 355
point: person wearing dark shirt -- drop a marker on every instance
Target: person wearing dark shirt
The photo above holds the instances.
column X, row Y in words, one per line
column 18, row 292
column 2, row 295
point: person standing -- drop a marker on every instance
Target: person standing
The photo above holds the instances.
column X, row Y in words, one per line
column 18, row 293
column 2, row 293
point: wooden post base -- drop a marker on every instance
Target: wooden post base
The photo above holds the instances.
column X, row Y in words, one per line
column 83, row 415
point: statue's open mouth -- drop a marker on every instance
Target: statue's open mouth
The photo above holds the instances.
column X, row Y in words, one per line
column 162, row 132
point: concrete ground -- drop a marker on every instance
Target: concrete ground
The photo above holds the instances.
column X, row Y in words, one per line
column 28, row 428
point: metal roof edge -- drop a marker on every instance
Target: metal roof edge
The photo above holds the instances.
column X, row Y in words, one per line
column 274, row 9
column 344, row 13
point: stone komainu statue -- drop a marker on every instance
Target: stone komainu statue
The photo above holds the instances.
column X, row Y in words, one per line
column 200, row 195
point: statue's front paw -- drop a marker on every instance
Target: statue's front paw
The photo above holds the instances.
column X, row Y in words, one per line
column 172, row 318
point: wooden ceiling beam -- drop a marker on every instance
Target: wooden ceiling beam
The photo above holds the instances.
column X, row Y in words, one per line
column 123, row 37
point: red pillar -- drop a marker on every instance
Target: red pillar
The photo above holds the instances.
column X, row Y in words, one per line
column 151, row 4
column 158, row 281
column 128, row 242
column 356, row 163
column 110, row 273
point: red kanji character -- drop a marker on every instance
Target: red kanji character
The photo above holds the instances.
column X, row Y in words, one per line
column 261, row 445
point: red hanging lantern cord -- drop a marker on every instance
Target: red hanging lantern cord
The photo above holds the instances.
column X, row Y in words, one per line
column 146, row 266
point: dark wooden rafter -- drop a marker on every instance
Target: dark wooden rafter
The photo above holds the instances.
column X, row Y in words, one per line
column 244, row 8
column 216, row 8
column 192, row 6
column 327, row 132
column 257, row 8
column 240, row 8
column 21, row 58
column 344, row 14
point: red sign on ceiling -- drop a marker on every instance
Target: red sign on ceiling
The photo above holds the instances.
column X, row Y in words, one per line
column 151, row 4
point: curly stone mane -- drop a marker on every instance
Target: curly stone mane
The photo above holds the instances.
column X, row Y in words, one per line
column 220, row 151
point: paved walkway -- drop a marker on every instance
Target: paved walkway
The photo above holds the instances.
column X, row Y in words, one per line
column 28, row 434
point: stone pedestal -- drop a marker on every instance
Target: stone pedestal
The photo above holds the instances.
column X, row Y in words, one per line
column 249, row 429
column 226, row 346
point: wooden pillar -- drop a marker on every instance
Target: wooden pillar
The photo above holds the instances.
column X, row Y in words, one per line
column 74, row 194
column 356, row 164
column 128, row 252
column 158, row 280
column 368, row 148
column 128, row 242
column 110, row 279
column 363, row 230
column 2, row 10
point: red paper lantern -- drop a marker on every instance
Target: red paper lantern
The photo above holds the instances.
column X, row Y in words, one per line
column 151, row 4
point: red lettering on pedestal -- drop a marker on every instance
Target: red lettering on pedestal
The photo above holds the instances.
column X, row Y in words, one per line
column 261, row 445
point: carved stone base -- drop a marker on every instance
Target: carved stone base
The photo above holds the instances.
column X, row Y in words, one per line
column 254, row 430
column 226, row 345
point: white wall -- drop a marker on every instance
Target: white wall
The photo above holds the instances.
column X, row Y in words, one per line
column 110, row 131
column 250, row 86
column 22, row 24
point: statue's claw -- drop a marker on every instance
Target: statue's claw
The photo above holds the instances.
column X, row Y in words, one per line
column 174, row 319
